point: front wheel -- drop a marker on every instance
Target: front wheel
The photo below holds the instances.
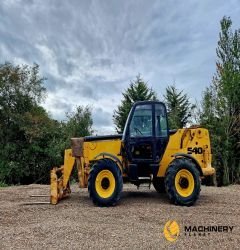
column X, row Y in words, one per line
column 105, row 183
column 182, row 182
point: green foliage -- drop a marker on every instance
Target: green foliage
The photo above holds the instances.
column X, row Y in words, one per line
column 221, row 106
column 178, row 106
column 79, row 122
column 30, row 141
column 137, row 91
column 3, row 184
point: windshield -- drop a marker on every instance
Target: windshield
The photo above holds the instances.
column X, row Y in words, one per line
column 146, row 123
column 141, row 123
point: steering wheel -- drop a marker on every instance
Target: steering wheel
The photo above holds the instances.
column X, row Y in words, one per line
column 138, row 131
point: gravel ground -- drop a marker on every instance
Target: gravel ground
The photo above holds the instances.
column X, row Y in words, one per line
column 137, row 222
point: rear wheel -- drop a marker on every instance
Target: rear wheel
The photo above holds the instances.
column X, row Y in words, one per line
column 158, row 183
column 182, row 182
column 105, row 183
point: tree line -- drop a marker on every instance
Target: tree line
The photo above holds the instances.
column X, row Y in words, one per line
column 31, row 141
column 218, row 111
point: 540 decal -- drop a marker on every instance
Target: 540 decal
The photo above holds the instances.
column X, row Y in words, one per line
column 196, row 150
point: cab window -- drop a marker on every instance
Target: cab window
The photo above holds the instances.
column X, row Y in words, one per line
column 141, row 123
column 161, row 128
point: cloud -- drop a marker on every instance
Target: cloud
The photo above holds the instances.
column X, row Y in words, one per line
column 102, row 121
column 90, row 50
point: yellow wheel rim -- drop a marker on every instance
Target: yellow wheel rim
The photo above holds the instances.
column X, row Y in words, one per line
column 105, row 184
column 184, row 183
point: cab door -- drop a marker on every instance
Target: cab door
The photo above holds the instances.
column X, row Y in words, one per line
column 146, row 132
column 141, row 139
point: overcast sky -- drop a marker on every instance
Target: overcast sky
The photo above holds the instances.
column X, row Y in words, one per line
column 90, row 50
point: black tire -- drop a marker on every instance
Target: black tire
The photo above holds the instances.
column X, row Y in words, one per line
column 158, row 183
column 100, row 165
column 172, row 171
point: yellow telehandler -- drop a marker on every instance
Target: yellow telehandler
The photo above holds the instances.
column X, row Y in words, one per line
column 174, row 161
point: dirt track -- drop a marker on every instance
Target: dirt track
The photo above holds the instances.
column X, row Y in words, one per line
column 135, row 223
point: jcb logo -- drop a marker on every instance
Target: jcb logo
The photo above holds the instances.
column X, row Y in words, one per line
column 171, row 230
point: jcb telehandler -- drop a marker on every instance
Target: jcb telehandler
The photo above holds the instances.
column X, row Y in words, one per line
column 147, row 152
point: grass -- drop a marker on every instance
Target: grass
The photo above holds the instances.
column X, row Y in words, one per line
column 3, row 184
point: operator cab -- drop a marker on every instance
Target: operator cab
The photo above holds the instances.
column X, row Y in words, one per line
column 145, row 137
